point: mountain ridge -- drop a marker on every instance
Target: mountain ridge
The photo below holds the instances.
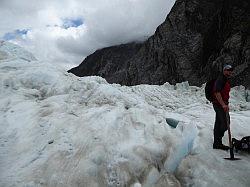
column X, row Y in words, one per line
column 192, row 45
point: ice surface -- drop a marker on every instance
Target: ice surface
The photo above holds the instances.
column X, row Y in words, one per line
column 9, row 51
column 60, row 130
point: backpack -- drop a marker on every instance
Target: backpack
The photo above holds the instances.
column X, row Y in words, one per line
column 242, row 145
column 209, row 90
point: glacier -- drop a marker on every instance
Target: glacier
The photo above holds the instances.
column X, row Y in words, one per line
column 57, row 129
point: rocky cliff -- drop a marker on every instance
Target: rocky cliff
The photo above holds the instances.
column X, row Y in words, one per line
column 192, row 44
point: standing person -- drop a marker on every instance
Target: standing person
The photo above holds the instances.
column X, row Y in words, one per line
column 220, row 104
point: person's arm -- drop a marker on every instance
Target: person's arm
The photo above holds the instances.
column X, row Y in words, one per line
column 220, row 100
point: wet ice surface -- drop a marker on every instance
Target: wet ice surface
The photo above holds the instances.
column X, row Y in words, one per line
column 60, row 130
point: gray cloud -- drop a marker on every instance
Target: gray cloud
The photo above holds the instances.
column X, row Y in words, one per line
column 105, row 23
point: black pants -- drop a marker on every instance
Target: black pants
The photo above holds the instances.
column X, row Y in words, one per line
column 220, row 125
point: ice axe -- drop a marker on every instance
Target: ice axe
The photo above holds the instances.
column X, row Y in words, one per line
column 230, row 139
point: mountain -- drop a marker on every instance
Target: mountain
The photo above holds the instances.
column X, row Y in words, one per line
column 192, row 44
column 109, row 62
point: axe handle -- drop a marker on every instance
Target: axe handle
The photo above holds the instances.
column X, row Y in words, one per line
column 229, row 136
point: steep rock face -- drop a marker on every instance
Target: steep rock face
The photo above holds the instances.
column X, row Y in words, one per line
column 193, row 43
column 229, row 42
column 108, row 62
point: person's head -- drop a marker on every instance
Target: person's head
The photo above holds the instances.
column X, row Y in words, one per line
column 228, row 70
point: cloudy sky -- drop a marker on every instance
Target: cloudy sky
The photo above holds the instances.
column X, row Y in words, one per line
column 66, row 31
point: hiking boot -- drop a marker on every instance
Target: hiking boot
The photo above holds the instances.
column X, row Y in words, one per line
column 220, row 146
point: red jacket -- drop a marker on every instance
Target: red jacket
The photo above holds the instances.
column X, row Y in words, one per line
column 223, row 86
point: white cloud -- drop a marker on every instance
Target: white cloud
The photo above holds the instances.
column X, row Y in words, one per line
column 105, row 23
